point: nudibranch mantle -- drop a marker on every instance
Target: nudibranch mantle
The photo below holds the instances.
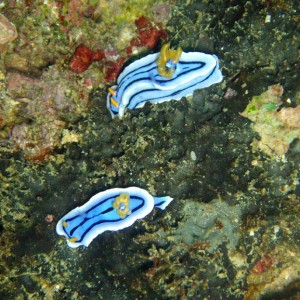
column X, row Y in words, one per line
column 160, row 77
column 112, row 210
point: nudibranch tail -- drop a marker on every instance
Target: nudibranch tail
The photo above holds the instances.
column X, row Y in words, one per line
column 162, row 202
column 112, row 210
column 167, row 60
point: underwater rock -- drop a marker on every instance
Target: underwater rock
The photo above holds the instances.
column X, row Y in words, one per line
column 16, row 62
column 152, row 149
column 8, row 31
column 277, row 129
column 9, row 108
column 274, row 274
column 46, row 105
column 147, row 35
column 36, row 141
column 213, row 223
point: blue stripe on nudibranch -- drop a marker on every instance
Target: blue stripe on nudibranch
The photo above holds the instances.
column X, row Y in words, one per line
column 141, row 82
column 112, row 210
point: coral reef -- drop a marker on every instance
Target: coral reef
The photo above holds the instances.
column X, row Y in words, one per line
column 232, row 231
column 37, row 105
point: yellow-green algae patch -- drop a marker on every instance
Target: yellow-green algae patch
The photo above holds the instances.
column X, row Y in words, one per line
column 276, row 127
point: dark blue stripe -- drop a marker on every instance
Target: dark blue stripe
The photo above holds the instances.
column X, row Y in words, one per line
column 173, row 94
column 159, row 81
column 100, row 213
column 110, row 221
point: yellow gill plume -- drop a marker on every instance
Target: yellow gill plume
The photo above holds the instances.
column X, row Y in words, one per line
column 167, row 54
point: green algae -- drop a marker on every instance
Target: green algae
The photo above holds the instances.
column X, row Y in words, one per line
column 277, row 128
column 267, row 101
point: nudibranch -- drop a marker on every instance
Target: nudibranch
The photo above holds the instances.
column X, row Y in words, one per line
column 168, row 75
column 112, row 210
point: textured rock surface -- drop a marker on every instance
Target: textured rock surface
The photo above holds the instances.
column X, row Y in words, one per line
column 8, row 30
column 198, row 150
column 277, row 126
column 214, row 223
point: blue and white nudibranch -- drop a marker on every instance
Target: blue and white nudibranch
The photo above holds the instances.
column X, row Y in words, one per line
column 112, row 210
column 168, row 75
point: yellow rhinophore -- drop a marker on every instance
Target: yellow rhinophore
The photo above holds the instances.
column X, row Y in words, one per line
column 64, row 224
column 166, row 54
column 121, row 205
column 73, row 240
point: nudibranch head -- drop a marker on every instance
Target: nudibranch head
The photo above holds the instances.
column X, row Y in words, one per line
column 167, row 60
column 121, row 205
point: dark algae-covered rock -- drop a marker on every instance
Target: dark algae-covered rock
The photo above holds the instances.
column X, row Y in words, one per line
column 228, row 155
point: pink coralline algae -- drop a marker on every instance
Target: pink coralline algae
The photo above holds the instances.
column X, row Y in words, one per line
column 48, row 104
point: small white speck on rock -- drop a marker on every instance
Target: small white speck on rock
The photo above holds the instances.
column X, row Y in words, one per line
column 193, row 156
